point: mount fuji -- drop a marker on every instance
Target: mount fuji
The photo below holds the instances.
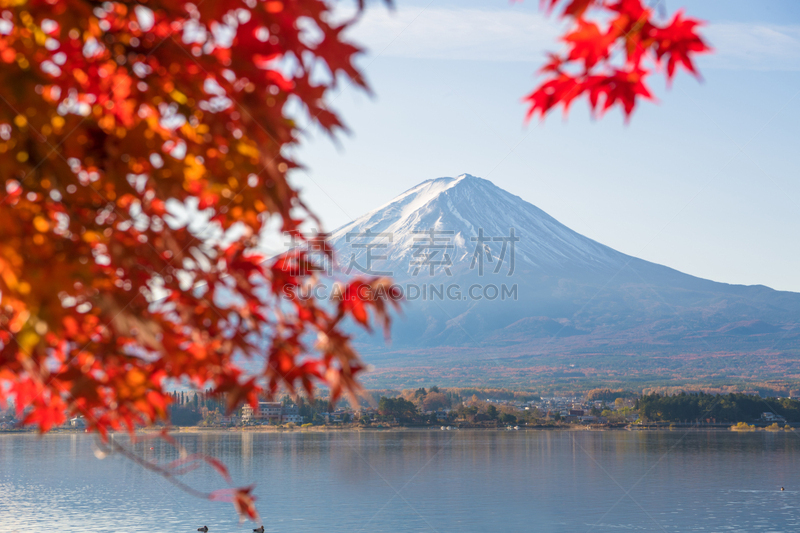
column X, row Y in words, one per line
column 499, row 292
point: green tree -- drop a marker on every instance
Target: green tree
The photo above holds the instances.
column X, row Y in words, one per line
column 508, row 418
column 400, row 408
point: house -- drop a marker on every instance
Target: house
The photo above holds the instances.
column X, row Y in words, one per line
column 291, row 413
column 266, row 412
column 336, row 416
column 228, row 420
column 773, row 418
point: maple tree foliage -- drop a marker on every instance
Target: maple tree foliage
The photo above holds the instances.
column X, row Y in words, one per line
column 108, row 111
column 609, row 43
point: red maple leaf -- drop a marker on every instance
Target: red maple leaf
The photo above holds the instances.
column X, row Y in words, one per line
column 561, row 90
column 623, row 88
column 588, row 44
column 677, row 42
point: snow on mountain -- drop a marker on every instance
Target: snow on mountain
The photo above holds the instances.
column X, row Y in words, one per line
column 567, row 294
column 457, row 209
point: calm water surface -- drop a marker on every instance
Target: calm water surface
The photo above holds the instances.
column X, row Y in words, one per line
column 540, row 481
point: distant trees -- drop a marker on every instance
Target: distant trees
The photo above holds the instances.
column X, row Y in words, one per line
column 609, row 395
column 400, row 408
column 184, row 416
column 468, row 411
column 619, row 415
column 434, row 401
column 189, row 409
column 508, row 418
column 311, row 410
column 497, row 394
column 722, row 408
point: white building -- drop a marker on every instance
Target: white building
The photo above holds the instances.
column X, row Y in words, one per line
column 772, row 417
column 267, row 412
column 272, row 412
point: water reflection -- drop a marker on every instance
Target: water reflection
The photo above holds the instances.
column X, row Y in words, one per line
column 552, row 481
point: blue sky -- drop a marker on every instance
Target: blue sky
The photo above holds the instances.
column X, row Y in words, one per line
column 707, row 181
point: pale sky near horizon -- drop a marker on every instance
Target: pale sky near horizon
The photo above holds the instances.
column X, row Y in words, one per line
column 707, row 181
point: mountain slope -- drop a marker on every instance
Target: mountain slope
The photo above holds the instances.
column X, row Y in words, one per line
column 466, row 204
column 562, row 294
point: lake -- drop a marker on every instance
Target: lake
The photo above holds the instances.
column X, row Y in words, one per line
column 543, row 481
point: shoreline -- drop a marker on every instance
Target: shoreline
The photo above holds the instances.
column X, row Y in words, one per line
column 397, row 429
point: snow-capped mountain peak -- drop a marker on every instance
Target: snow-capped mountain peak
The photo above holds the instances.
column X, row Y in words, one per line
column 457, row 215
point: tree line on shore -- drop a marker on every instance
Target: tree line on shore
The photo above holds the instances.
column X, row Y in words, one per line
column 722, row 408
column 423, row 406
